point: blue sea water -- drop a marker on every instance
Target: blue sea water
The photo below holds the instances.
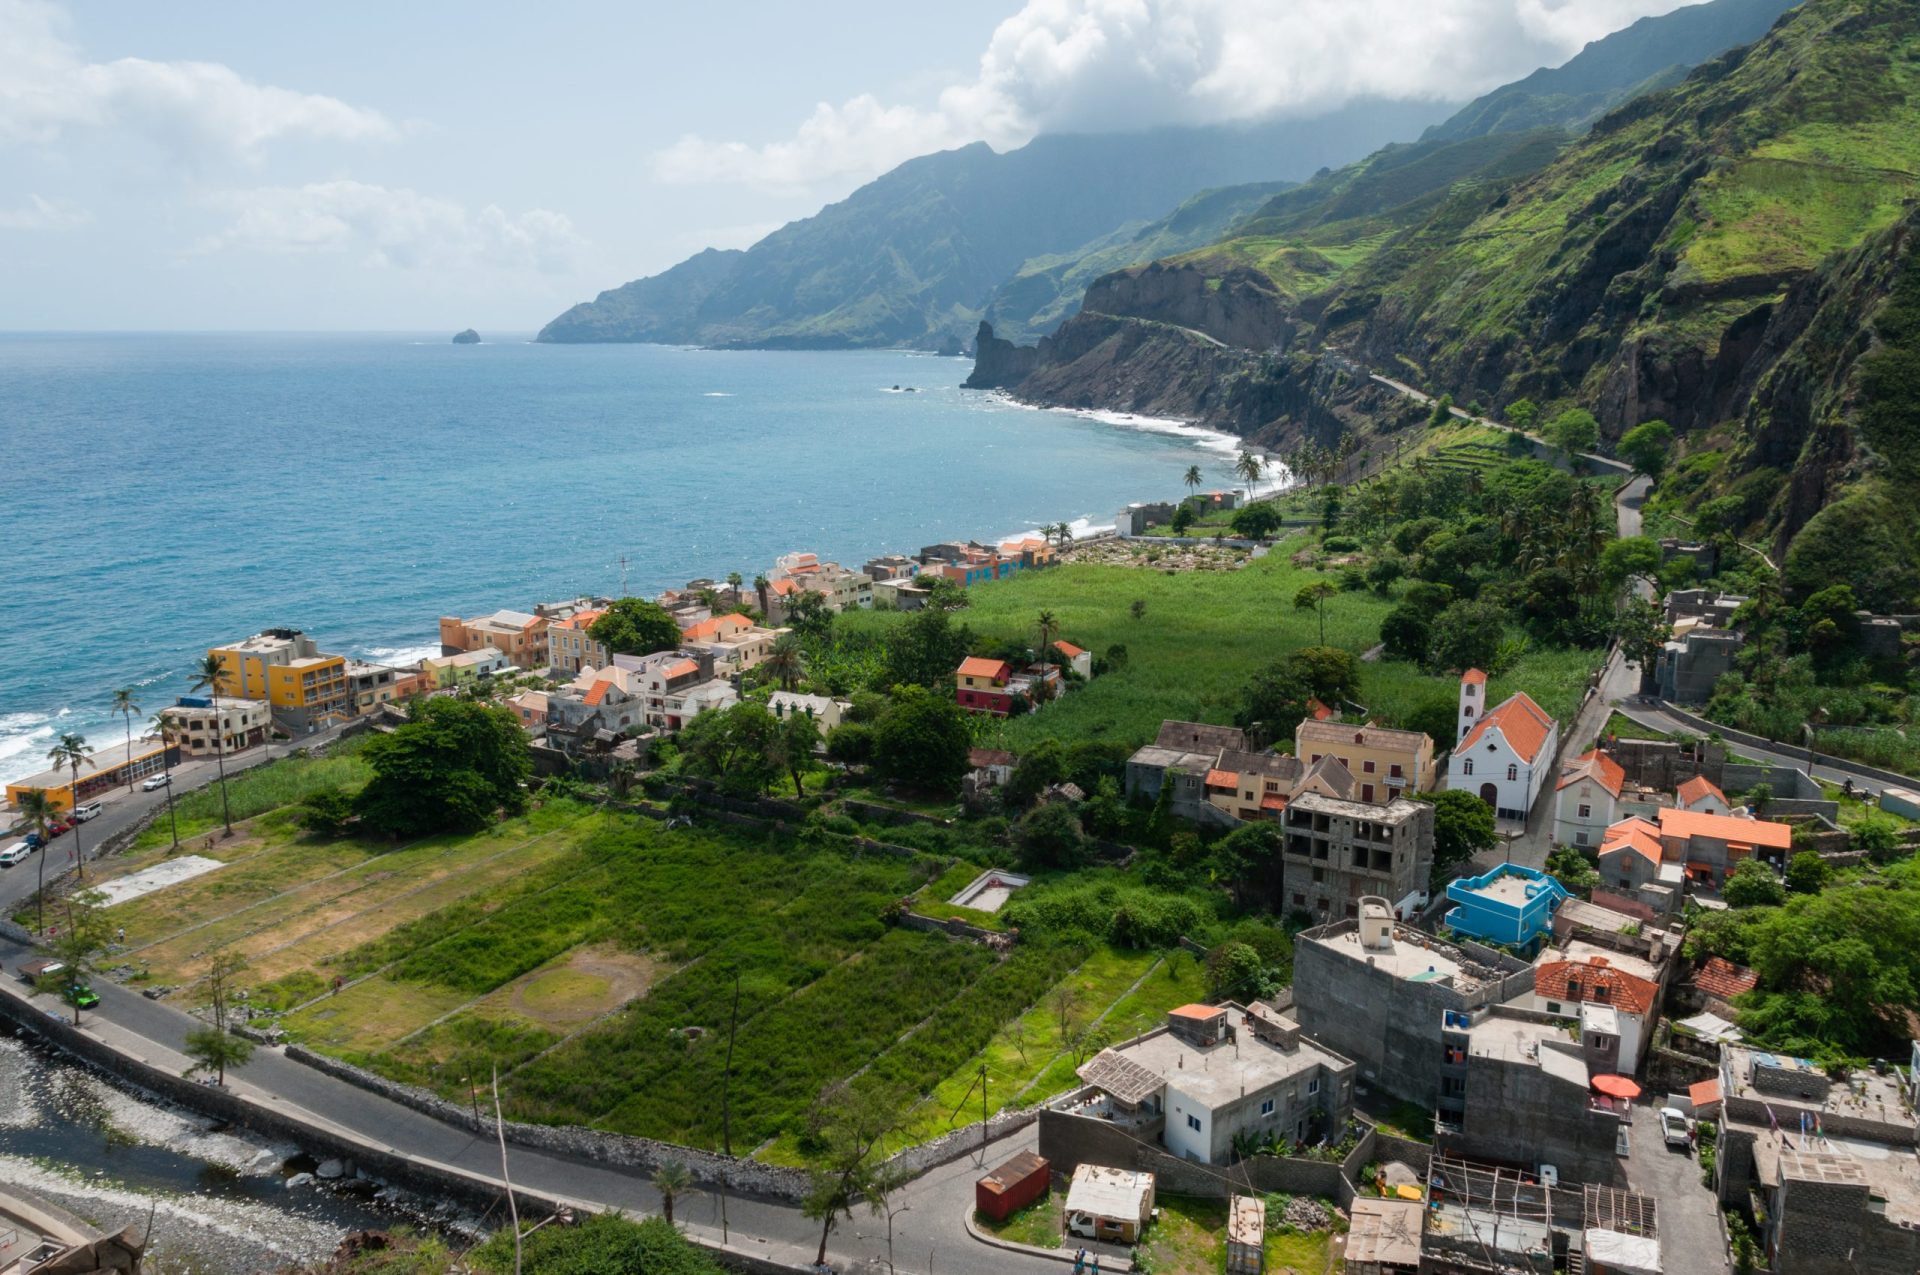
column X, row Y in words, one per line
column 165, row 493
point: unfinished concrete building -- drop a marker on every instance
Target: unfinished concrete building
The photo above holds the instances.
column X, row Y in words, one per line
column 1339, row 852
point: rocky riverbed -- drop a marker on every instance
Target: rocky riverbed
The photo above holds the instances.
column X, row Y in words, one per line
column 222, row 1202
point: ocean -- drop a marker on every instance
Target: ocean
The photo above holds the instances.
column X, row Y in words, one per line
column 167, row 493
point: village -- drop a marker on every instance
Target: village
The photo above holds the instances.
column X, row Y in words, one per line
column 1502, row 1059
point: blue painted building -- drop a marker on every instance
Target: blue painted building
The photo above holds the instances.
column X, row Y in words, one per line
column 1509, row 904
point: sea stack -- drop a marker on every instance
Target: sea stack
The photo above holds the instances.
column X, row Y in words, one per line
column 469, row 337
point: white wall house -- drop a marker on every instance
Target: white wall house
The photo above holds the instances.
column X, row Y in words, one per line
column 1504, row 753
column 1587, row 800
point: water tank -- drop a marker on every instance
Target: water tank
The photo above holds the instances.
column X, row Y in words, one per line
column 1376, row 923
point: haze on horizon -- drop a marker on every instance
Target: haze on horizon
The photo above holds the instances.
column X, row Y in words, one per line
column 433, row 166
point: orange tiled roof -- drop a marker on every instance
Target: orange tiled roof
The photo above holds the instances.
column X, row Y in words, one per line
column 1735, row 832
column 1068, row 649
column 1700, row 787
column 1223, row 779
column 1634, row 834
column 1524, row 724
column 783, row 587
column 1704, row 1094
column 1628, row 993
column 1273, row 801
column 1601, row 768
column 599, row 692
column 1196, row 1011
column 1721, row 977
column 1475, row 676
column 581, row 620
column 981, row 666
column 1320, row 712
column 712, row 628
column 680, row 669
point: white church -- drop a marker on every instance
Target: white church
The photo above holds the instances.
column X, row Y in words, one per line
column 1503, row 755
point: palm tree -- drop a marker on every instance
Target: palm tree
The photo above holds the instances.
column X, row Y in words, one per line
column 168, row 731
column 37, row 809
column 671, row 1179
column 1249, row 468
column 786, row 661
column 71, row 751
column 1048, row 625
column 1313, row 597
column 207, row 676
column 1192, row 479
column 123, row 704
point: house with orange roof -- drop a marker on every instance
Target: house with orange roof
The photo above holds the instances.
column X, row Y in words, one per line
column 1503, row 753
column 980, row 685
column 797, row 573
column 1078, row 659
column 1385, row 763
column 1616, row 1007
column 1709, row 846
column 1703, row 796
column 1632, row 863
column 571, row 648
column 1587, row 799
column 736, row 643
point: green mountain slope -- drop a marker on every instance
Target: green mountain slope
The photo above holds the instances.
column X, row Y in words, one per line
column 913, row 257
column 1719, row 255
column 1651, row 54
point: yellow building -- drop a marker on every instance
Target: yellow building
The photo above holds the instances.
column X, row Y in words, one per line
column 1385, row 763
column 112, row 766
column 305, row 688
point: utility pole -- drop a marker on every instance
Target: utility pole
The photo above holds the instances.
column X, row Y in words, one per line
column 500, row 1128
column 623, row 575
column 726, row 1111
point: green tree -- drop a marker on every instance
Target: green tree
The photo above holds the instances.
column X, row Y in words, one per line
column 1574, row 431
column 1466, row 635
column 215, row 1048
column 1523, row 414
column 1435, row 716
column 1442, row 412
column 1236, row 972
column 1628, row 557
column 169, row 732
column 1137, row 608
column 1641, row 628
column 1182, row 519
column 1570, row 868
column 809, row 615
column 1248, row 468
column 77, row 947
column 1646, row 445
column 125, row 705
column 851, row 743
column 1875, row 834
column 208, row 676
column 1752, row 884
column 741, row 746
column 1330, row 673
column 449, row 768
column 1384, row 570
column 923, row 740
column 1041, row 765
column 799, row 737
column 1405, row 633
column 1256, row 522
column 925, row 648
column 37, row 809
column 635, row 626
column 1274, row 701
column 786, row 661
column 326, row 813
column 1312, row 597
column 1247, row 862
column 1808, row 873
column 1462, row 827
column 672, row 1180
column 1192, row 479
column 1050, row 837
column 847, row 1127
column 70, row 752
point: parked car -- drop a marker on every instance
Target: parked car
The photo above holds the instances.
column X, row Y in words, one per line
column 80, row 996
column 33, row 841
column 59, row 827
column 15, row 853
column 1674, row 1127
column 156, row 781
column 88, row 811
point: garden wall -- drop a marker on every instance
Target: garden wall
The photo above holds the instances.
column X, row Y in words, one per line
column 1704, row 726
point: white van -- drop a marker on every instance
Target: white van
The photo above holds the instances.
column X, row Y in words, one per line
column 86, row 811
column 158, row 781
column 15, row 853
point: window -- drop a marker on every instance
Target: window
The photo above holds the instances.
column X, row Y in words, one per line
column 1553, row 1007
column 1366, row 792
column 1600, row 991
column 1580, row 838
column 1313, row 1086
column 1466, row 766
column 1573, row 989
column 1193, row 1123
column 1586, row 812
column 1316, row 757
column 1513, row 772
column 1266, row 1108
column 1393, row 771
column 1366, row 767
column 1299, row 899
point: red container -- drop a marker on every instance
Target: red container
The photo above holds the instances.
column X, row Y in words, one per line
column 1012, row 1186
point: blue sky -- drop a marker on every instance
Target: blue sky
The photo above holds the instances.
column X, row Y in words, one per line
column 433, row 165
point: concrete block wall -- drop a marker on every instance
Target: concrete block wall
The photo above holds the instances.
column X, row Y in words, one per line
column 1827, row 1229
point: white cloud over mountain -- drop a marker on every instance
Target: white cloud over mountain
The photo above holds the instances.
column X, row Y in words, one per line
column 392, row 227
column 194, row 110
column 1104, row 65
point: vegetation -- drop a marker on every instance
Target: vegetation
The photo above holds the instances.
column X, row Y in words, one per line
column 595, row 1245
column 451, row 766
column 1463, row 826
column 635, row 626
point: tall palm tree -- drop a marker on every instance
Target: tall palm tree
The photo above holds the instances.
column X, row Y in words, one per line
column 123, row 704
column 1048, row 625
column 207, row 676
column 168, row 731
column 1249, row 468
column 671, row 1180
column 71, row 751
column 37, row 808
column 786, row 661
column 1192, row 479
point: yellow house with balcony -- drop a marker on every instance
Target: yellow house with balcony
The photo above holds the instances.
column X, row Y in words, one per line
column 304, row 687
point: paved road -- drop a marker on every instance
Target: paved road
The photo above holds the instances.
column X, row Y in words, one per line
column 1687, row 1216
column 124, row 809
column 929, row 1230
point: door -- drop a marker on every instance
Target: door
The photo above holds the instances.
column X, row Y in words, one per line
column 1490, row 795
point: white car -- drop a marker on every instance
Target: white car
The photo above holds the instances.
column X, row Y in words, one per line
column 157, row 781
column 1673, row 1126
column 88, row 810
column 15, row 853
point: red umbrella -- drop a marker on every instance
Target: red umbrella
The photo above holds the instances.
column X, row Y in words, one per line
column 1616, row 1086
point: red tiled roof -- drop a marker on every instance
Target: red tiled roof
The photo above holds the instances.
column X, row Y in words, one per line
column 1603, row 770
column 1705, row 1094
column 1698, row 788
column 713, row 627
column 1522, row 722
column 1068, row 649
column 1223, row 779
column 1634, row 834
column 1273, row 801
column 1722, row 978
column 981, row 757
column 1735, row 832
column 981, row 666
column 1626, row 992
column 1475, row 676
column 1196, row 1011
column 680, row 669
column 599, row 691
column 1319, row 712
column 581, row 620
column 783, row 587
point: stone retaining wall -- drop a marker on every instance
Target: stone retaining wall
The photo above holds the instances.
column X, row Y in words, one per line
column 1705, row 727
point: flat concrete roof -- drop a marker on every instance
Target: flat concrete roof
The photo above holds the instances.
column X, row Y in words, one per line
column 1889, row 1173
column 1226, row 1072
column 1863, row 1095
column 1167, row 757
column 1515, row 1040
column 1404, row 959
column 1505, row 889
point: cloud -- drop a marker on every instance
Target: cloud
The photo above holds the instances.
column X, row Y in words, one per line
column 392, row 227
column 44, row 214
column 1107, row 65
column 191, row 109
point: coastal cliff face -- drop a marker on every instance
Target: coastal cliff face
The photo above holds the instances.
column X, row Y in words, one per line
column 1719, row 255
